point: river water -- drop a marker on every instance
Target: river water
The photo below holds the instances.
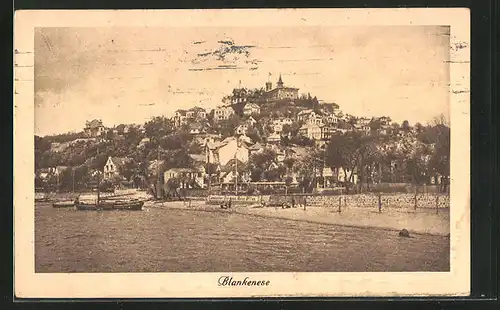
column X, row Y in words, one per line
column 170, row 240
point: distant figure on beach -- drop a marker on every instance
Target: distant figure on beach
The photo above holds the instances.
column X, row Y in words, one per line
column 404, row 233
column 226, row 205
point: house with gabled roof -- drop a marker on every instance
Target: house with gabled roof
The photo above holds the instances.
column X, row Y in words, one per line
column 251, row 121
column 274, row 138
column 196, row 113
column 222, row 113
column 311, row 131
column 231, row 147
column 94, row 128
column 188, row 177
column 113, row 166
column 233, row 168
column 196, row 129
column 251, row 108
column 304, row 115
column 242, row 129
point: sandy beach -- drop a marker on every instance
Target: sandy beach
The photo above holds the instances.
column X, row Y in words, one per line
column 420, row 221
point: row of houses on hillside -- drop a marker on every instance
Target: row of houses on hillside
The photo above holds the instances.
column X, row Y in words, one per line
column 234, row 152
column 96, row 129
column 183, row 117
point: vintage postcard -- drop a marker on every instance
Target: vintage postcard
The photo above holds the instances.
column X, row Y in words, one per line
column 242, row 153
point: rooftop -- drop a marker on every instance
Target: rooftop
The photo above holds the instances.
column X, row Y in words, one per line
column 94, row 123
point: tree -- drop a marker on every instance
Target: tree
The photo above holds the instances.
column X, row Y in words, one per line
column 211, row 169
column 441, row 119
column 274, row 174
column 260, row 162
column 301, row 141
column 41, row 147
column 405, row 126
column 419, row 128
column 292, row 129
column 289, row 163
column 350, row 152
column 110, row 134
column 66, row 180
column 129, row 169
column 254, row 134
column 395, row 127
column 306, row 168
column 158, row 127
column 178, row 158
column 416, row 164
column 375, row 125
column 172, row 186
column 440, row 160
column 341, row 152
column 210, row 118
column 227, row 127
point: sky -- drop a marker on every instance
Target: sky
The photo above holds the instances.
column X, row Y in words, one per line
column 128, row 75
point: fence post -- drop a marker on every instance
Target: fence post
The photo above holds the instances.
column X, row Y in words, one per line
column 305, row 201
column 379, row 202
column 437, row 204
column 340, row 203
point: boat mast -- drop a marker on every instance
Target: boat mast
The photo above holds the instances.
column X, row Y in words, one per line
column 159, row 188
column 57, row 177
column 207, row 150
column 236, row 167
column 98, row 178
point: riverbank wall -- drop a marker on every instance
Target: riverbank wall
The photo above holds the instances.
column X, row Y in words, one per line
column 427, row 201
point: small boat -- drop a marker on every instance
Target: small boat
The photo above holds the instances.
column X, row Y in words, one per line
column 109, row 203
column 132, row 205
column 41, row 197
column 63, row 204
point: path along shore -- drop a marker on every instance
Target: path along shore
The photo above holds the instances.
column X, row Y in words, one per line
column 420, row 221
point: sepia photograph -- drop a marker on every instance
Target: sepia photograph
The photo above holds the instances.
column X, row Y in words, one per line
column 244, row 149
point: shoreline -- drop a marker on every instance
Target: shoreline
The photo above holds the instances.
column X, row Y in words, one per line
column 319, row 215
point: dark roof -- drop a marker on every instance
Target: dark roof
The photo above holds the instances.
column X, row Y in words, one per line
column 197, row 109
column 276, row 89
column 230, row 165
column 181, row 112
column 120, row 161
column 182, row 170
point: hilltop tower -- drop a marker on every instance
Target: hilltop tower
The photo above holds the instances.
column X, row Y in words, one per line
column 269, row 86
column 281, row 92
column 280, row 83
